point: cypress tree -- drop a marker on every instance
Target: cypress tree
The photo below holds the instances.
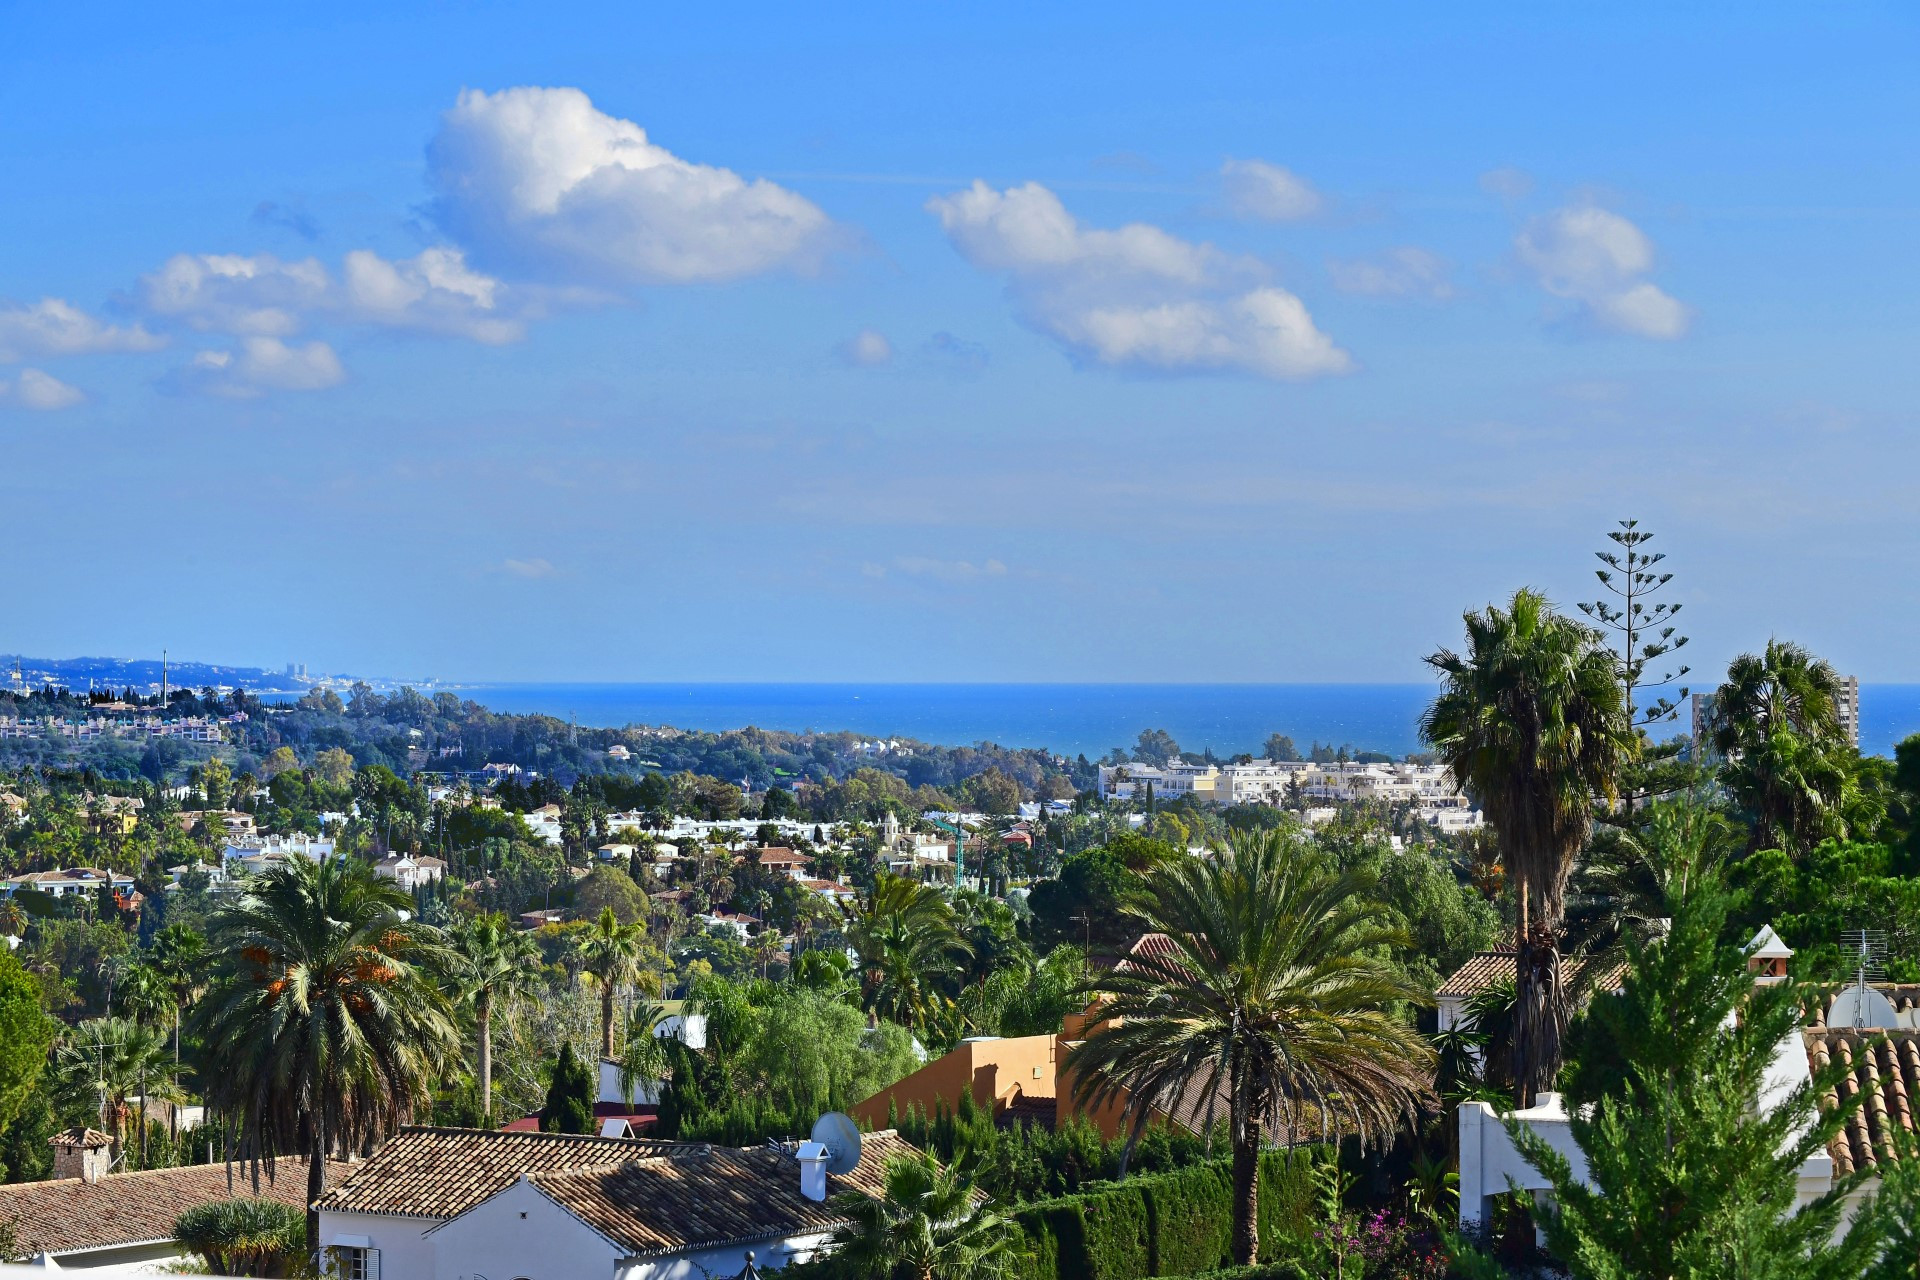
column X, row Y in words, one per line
column 570, row 1096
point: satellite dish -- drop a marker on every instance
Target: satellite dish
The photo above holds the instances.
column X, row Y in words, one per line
column 837, row 1132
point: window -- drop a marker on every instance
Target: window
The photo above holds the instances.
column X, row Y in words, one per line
column 356, row 1264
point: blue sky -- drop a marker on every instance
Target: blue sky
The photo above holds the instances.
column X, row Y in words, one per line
column 986, row 342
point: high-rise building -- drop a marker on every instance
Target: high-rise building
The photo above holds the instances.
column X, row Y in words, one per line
column 1702, row 718
column 1849, row 709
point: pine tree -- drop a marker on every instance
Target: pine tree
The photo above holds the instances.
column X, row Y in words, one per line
column 1687, row 1176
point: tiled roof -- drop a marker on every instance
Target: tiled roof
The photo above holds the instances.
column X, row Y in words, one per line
column 68, row 1215
column 1903, row 996
column 719, row 1197
column 425, row 1172
column 1157, row 946
column 1484, row 968
column 1886, row 1067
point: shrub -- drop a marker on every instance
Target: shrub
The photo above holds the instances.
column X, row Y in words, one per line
column 245, row 1237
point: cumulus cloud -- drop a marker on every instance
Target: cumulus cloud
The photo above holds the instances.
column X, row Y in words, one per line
column 1136, row 296
column 262, row 296
column 262, row 363
column 1596, row 258
column 54, row 327
column 36, row 390
column 867, row 349
column 542, row 177
column 1405, row 272
column 1269, row 193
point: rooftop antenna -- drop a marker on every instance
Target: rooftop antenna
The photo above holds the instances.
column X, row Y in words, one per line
column 163, row 682
column 1859, row 1003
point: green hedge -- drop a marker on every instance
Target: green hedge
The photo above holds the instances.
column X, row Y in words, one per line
column 1167, row 1224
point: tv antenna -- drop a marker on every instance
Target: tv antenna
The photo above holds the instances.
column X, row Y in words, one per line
column 1859, row 1005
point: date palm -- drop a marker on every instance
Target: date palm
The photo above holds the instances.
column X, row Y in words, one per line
column 611, row 955
column 491, row 960
column 1777, row 721
column 927, row 1224
column 1271, row 990
column 906, row 936
column 325, row 1013
column 1533, row 722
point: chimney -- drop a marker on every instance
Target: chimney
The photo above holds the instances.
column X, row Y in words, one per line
column 813, row 1170
column 82, row 1153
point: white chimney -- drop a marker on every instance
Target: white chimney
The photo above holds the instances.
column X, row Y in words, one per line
column 813, row 1170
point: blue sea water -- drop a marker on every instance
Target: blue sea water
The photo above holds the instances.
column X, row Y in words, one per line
column 1067, row 718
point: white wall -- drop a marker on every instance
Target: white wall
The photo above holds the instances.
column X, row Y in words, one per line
column 405, row 1252
column 720, row 1264
column 518, row 1234
column 1489, row 1161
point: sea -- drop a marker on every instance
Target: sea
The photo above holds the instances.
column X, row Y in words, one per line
column 1070, row 719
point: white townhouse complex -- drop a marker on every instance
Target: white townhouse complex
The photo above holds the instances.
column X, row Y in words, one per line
column 1429, row 788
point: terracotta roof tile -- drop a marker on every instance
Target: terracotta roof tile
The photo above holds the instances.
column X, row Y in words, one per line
column 426, row 1172
column 1484, row 968
column 1886, row 1067
column 69, row 1215
column 716, row 1197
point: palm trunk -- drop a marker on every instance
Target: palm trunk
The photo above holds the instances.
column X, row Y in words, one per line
column 143, row 1117
column 1539, row 1015
column 606, row 1020
column 483, row 1018
column 316, row 1178
column 173, row 1116
column 1246, row 1193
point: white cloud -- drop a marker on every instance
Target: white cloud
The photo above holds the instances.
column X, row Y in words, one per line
column 1135, row 297
column 232, row 293
column 1256, row 189
column 261, row 364
column 528, row 567
column 436, row 291
column 1595, row 257
column 868, row 349
column 1405, row 272
column 36, row 390
column 262, row 296
column 541, row 176
column 54, row 327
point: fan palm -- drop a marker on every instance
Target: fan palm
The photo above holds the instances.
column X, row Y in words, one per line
column 1777, row 721
column 1271, row 988
column 906, row 936
column 610, row 955
column 1532, row 721
column 113, row 1059
column 491, row 960
column 927, row 1224
column 325, row 1013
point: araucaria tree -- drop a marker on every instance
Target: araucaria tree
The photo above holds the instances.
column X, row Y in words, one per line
column 325, row 1014
column 1272, row 990
column 1644, row 633
column 1532, row 720
column 1692, row 1158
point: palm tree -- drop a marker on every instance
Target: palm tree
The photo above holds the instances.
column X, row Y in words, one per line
column 1533, row 722
column 179, row 953
column 325, row 1014
column 13, row 921
column 610, row 956
column 1777, row 721
column 905, row 934
column 491, row 960
column 113, row 1059
column 1625, row 888
column 645, row 1057
column 147, row 997
column 1272, row 989
column 927, row 1224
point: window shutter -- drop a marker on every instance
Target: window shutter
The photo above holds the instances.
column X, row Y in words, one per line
column 373, row 1264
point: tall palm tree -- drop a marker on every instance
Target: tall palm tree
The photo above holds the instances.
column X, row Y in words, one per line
column 927, row 1224
column 906, row 936
column 492, row 960
column 645, row 1057
column 610, row 956
column 147, row 997
column 1271, row 989
column 1532, row 721
column 113, row 1059
column 1777, row 721
column 180, row 954
column 325, row 1013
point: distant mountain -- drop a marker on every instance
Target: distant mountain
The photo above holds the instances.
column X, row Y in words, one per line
column 117, row 673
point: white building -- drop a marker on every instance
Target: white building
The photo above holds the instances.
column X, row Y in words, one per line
column 410, row 872
column 68, row 883
column 455, row 1204
column 244, row 848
